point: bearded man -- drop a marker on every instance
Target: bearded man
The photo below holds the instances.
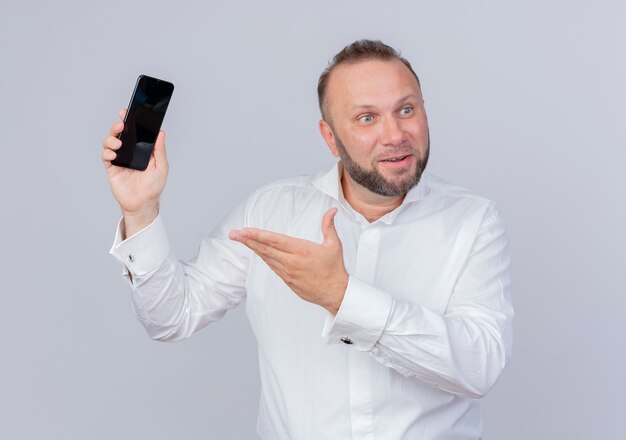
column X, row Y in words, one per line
column 379, row 294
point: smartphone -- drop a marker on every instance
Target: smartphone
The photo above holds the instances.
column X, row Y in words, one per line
column 143, row 121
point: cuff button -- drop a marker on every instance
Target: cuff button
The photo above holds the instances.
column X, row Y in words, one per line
column 346, row 340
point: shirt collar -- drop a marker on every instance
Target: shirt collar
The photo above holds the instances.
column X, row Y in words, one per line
column 329, row 183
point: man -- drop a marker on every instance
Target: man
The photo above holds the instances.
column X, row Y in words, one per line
column 386, row 322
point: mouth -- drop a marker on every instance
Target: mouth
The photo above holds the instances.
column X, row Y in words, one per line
column 397, row 161
column 396, row 158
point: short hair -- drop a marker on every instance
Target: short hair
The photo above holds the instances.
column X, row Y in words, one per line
column 360, row 50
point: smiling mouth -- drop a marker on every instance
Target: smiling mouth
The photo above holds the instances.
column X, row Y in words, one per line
column 396, row 159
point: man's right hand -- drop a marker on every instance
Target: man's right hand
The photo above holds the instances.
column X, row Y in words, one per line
column 137, row 192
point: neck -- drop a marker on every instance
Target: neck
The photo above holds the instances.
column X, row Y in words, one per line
column 370, row 205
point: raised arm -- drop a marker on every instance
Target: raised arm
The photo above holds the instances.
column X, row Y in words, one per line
column 137, row 192
column 172, row 299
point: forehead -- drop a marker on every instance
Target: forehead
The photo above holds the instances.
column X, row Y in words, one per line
column 370, row 82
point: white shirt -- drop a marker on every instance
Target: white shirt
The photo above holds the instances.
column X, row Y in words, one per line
column 424, row 328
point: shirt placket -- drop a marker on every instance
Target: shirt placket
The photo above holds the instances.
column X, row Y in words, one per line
column 361, row 398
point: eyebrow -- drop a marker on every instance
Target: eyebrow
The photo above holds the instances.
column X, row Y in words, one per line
column 401, row 100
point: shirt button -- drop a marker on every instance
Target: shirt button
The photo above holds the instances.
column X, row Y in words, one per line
column 346, row 340
column 130, row 257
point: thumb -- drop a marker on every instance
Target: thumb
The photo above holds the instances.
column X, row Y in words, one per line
column 328, row 227
column 159, row 150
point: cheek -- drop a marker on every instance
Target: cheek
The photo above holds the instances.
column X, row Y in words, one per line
column 362, row 144
column 419, row 130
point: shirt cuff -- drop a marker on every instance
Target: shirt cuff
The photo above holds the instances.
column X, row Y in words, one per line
column 145, row 251
column 361, row 318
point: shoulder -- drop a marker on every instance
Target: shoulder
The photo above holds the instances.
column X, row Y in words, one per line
column 282, row 185
column 440, row 188
column 466, row 204
column 287, row 187
column 281, row 198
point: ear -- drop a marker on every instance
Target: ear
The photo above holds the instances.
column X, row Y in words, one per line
column 329, row 137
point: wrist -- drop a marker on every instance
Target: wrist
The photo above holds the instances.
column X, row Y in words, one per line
column 342, row 286
column 135, row 221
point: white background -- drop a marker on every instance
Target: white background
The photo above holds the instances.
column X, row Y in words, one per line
column 526, row 106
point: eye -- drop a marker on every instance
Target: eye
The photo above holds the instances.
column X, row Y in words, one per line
column 366, row 118
column 405, row 111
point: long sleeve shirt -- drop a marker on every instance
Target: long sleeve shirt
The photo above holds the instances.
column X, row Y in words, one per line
column 424, row 329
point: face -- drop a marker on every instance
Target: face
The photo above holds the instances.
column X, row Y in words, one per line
column 373, row 179
column 377, row 125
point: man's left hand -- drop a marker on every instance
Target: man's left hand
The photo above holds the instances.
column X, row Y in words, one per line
column 315, row 272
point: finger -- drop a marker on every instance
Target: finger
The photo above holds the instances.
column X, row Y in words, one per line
column 111, row 143
column 160, row 157
column 328, row 227
column 116, row 128
column 122, row 114
column 107, row 156
column 277, row 266
column 275, row 240
column 263, row 250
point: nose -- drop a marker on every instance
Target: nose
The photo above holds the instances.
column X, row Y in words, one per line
column 392, row 133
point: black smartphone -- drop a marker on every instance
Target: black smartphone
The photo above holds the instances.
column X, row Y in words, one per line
column 143, row 121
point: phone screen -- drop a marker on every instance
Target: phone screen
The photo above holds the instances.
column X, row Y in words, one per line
column 143, row 121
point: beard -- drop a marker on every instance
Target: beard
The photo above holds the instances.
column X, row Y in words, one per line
column 374, row 181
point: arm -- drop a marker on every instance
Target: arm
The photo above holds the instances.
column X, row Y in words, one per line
column 171, row 298
column 174, row 299
column 462, row 350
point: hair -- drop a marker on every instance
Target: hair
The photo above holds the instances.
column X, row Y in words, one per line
column 360, row 50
